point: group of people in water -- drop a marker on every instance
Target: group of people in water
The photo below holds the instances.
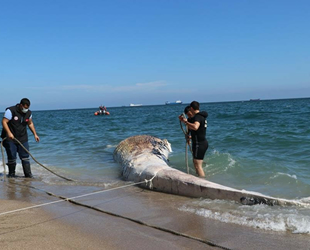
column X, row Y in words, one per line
column 196, row 126
column 102, row 111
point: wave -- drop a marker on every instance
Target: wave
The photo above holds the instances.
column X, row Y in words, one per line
column 294, row 220
column 279, row 174
column 219, row 163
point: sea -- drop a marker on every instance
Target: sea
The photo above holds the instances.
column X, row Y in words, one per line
column 258, row 145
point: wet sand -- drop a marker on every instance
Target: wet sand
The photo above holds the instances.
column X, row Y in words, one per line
column 128, row 218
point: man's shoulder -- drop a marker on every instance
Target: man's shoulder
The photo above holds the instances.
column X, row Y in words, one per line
column 12, row 108
column 8, row 114
column 204, row 114
column 200, row 117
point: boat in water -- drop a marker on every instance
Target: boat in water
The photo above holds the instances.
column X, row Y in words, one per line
column 134, row 105
column 176, row 102
column 102, row 111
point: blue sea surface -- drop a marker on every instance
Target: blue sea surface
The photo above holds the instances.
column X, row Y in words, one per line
column 260, row 146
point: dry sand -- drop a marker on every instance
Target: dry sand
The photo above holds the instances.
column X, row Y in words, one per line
column 63, row 225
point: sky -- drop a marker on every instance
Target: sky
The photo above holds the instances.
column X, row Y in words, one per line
column 64, row 54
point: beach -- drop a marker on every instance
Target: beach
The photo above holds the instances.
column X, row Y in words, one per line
column 124, row 218
column 78, row 78
column 255, row 146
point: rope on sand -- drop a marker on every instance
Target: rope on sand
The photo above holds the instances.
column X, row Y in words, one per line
column 71, row 200
column 208, row 242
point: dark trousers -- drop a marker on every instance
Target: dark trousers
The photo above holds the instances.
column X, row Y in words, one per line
column 12, row 149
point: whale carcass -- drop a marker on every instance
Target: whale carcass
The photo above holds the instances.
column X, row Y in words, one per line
column 145, row 157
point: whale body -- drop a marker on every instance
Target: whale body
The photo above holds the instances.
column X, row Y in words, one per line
column 145, row 157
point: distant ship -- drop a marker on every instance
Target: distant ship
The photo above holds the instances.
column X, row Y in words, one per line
column 176, row 102
column 254, row 100
column 134, row 105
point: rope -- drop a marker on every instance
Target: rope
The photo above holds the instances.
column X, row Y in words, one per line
column 3, row 161
column 68, row 179
column 186, row 144
column 71, row 200
column 68, row 199
column 186, row 157
column 208, row 242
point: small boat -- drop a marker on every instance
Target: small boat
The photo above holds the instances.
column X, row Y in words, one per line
column 102, row 111
column 176, row 102
column 134, row 105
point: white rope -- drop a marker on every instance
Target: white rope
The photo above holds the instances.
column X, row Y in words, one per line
column 150, row 180
column 68, row 199
column 134, row 220
column 25, row 208
column 3, row 160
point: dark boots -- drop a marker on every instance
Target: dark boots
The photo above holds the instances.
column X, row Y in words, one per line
column 27, row 170
column 12, row 167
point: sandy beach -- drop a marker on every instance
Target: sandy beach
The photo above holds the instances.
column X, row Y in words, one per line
column 126, row 218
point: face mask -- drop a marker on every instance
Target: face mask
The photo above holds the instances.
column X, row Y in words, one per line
column 25, row 110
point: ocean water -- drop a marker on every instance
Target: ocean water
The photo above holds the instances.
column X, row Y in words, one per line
column 260, row 146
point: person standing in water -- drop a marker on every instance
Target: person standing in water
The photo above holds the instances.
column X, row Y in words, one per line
column 197, row 125
column 14, row 123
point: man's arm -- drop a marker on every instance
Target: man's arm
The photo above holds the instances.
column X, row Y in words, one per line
column 33, row 130
column 5, row 125
column 192, row 126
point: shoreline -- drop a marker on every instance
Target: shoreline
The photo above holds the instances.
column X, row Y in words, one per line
column 114, row 223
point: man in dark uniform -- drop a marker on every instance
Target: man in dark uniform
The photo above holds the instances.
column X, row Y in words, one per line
column 14, row 123
column 197, row 126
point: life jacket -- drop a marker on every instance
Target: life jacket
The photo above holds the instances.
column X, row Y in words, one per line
column 18, row 124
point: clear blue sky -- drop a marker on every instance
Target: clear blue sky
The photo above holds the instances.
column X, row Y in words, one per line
column 83, row 53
